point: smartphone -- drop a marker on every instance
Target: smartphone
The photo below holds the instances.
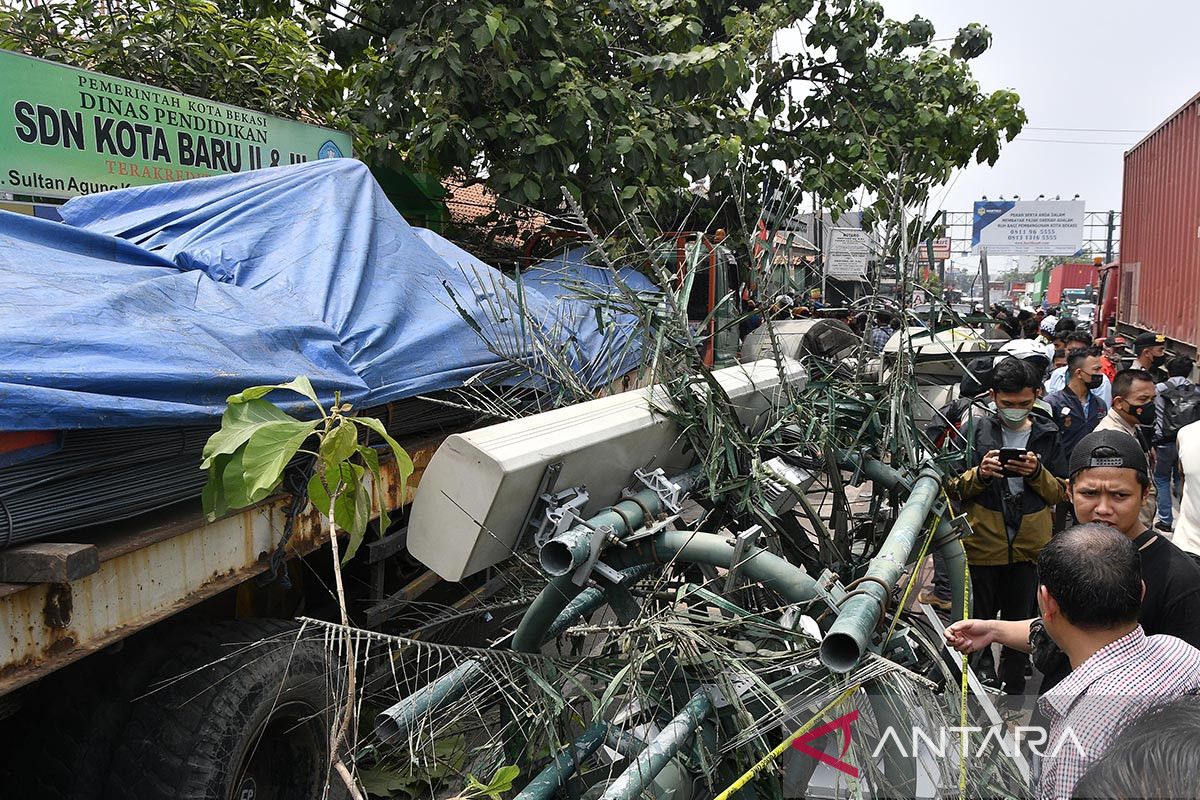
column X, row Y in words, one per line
column 1008, row 454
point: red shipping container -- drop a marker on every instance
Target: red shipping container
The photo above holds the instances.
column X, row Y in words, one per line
column 1070, row 276
column 1159, row 286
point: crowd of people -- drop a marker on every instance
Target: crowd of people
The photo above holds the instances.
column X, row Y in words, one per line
column 1072, row 463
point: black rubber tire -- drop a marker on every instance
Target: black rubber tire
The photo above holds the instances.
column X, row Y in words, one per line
column 61, row 745
column 200, row 736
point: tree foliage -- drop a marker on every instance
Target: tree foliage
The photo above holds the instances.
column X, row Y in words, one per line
column 625, row 102
column 270, row 63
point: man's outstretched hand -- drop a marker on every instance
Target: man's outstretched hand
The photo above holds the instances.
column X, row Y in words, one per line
column 970, row 635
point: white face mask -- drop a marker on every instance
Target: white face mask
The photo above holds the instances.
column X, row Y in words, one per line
column 1014, row 417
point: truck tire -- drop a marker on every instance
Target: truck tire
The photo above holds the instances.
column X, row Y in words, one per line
column 61, row 746
column 243, row 713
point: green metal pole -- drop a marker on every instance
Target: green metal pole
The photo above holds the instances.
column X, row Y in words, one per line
column 946, row 539
column 547, row 782
column 590, row 599
column 791, row 581
column 844, row 645
column 395, row 722
column 569, row 550
column 661, row 749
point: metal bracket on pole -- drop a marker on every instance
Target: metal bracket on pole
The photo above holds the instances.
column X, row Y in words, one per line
column 560, row 512
column 663, row 524
column 669, row 493
column 601, row 535
column 744, row 541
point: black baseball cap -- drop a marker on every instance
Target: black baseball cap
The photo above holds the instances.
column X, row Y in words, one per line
column 1108, row 449
column 1145, row 340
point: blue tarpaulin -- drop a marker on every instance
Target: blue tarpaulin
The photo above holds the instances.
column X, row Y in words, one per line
column 603, row 341
column 100, row 333
column 152, row 304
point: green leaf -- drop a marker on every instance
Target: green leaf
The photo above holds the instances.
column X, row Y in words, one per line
column 317, row 495
column 553, row 696
column 502, row 780
column 531, row 190
column 361, row 516
column 613, row 686
column 233, row 481
column 341, row 482
column 269, row 450
column 371, row 459
column 382, row 782
column 403, row 463
column 340, row 443
column 239, row 422
column 300, row 384
column 213, row 497
column 482, row 36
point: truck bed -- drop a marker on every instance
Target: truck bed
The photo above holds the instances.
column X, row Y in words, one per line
column 154, row 567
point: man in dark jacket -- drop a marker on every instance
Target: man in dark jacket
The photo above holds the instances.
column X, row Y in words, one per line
column 1076, row 409
column 1009, row 505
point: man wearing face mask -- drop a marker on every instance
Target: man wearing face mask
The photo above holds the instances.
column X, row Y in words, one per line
column 1076, row 409
column 1059, row 377
column 1150, row 354
column 1133, row 412
column 1010, row 505
column 1132, row 409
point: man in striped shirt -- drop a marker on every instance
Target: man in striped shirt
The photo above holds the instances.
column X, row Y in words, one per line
column 1090, row 594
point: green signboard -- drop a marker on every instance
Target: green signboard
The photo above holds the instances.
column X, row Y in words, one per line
column 66, row 131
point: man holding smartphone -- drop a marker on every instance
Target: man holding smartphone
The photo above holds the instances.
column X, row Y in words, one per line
column 1009, row 496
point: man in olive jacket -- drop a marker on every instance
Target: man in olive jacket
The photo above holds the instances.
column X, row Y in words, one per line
column 1010, row 506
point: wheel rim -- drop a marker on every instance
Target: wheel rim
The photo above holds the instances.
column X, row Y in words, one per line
column 285, row 757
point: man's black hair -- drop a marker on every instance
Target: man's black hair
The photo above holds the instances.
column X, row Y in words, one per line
column 1154, row 755
column 1094, row 573
column 1076, row 359
column 1179, row 367
column 1122, row 385
column 1082, row 337
column 978, row 377
column 1013, row 375
column 1010, row 326
column 1059, row 353
column 1030, row 328
column 1064, row 325
column 897, row 322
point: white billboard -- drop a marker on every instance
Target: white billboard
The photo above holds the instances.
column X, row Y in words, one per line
column 848, row 254
column 1028, row 228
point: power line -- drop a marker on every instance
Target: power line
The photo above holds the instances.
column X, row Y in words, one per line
column 1086, row 130
column 1070, row 141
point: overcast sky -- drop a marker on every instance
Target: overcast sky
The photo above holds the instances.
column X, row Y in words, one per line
column 1111, row 66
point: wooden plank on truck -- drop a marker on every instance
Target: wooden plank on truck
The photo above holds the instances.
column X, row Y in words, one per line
column 48, row 562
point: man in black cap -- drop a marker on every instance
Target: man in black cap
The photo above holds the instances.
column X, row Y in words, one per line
column 1150, row 353
column 1110, row 479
